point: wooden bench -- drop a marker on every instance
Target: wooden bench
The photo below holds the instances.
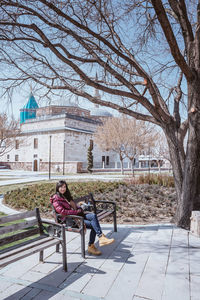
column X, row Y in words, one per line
column 42, row 234
column 101, row 208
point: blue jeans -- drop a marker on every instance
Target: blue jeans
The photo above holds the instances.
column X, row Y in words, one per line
column 92, row 223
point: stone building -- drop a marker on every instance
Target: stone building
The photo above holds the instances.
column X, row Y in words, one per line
column 57, row 137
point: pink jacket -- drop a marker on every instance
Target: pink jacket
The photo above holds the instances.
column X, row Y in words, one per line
column 62, row 206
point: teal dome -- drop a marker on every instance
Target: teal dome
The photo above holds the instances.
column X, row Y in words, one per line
column 29, row 109
column 31, row 103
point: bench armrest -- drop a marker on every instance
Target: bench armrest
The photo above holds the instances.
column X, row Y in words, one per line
column 105, row 201
column 74, row 216
column 51, row 223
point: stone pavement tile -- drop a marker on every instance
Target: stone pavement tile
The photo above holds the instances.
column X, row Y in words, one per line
column 153, row 276
column 177, row 273
column 60, row 296
column 51, row 262
column 32, row 276
column 10, row 292
column 19, row 268
column 100, row 283
column 125, row 246
column 115, row 261
column 195, row 287
column 126, row 282
column 73, row 262
column 194, row 241
column 176, row 288
column 4, row 285
column 194, row 255
column 76, row 282
column 194, row 259
column 133, row 235
column 107, row 252
column 90, row 265
column 145, row 243
column 55, row 278
column 44, row 295
column 30, row 295
column 129, row 241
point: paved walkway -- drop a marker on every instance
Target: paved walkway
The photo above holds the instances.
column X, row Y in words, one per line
column 153, row 262
column 145, row 263
column 9, row 177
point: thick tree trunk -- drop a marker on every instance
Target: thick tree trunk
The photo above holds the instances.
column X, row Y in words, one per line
column 186, row 170
column 190, row 198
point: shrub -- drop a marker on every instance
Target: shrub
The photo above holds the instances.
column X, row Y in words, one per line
column 37, row 195
column 162, row 180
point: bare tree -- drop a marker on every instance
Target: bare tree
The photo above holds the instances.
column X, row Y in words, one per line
column 112, row 136
column 160, row 150
column 137, row 48
column 139, row 137
column 9, row 131
column 125, row 136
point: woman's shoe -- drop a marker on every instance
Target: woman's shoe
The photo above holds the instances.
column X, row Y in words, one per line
column 104, row 241
column 93, row 250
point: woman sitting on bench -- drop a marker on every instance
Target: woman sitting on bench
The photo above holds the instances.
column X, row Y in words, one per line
column 64, row 205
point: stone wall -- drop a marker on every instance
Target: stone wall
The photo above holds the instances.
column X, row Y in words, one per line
column 55, row 110
column 57, row 167
column 26, row 166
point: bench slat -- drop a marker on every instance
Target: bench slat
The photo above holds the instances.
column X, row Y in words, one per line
column 31, row 250
column 104, row 214
column 18, row 226
column 18, row 236
column 25, row 246
column 16, row 217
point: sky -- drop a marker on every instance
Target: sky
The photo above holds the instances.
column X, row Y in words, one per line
column 18, row 99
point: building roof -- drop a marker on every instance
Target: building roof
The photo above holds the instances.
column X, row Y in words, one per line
column 31, row 103
column 29, row 110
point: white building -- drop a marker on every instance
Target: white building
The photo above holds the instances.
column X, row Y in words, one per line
column 57, row 137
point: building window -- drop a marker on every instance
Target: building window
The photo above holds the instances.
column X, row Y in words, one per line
column 35, row 156
column 35, row 143
column 16, row 157
column 8, row 157
column 103, row 159
column 16, row 144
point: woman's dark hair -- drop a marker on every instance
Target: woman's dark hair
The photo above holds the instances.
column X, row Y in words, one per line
column 67, row 194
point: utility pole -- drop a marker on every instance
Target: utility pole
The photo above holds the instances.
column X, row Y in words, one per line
column 64, row 143
column 49, row 157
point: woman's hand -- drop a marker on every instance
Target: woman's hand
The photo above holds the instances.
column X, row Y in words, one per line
column 73, row 204
column 80, row 212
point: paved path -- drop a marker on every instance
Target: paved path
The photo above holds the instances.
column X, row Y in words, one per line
column 151, row 262
column 5, row 209
column 9, row 177
column 154, row 262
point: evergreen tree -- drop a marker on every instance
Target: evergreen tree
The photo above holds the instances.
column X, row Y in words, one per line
column 90, row 159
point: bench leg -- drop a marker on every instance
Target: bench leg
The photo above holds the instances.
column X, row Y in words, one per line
column 115, row 221
column 57, row 247
column 82, row 243
column 41, row 256
column 64, row 249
